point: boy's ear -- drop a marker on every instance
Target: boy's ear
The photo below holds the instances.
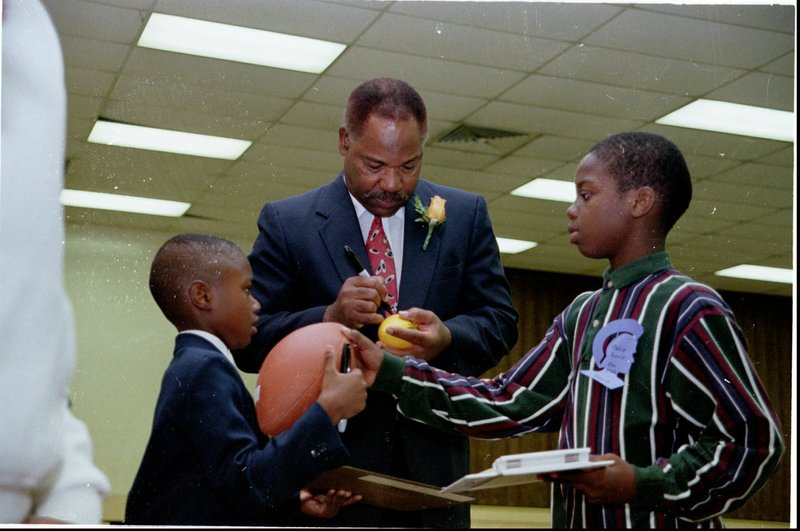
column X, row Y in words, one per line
column 643, row 201
column 200, row 295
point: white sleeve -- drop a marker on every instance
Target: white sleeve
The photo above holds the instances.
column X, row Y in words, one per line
column 78, row 487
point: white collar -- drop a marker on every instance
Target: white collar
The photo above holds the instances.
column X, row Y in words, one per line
column 214, row 340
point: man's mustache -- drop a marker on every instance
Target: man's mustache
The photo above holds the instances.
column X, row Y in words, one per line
column 399, row 197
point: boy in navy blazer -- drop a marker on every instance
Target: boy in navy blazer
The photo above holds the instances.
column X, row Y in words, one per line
column 207, row 462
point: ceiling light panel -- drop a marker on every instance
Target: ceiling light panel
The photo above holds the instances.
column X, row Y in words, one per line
column 123, row 203
column 237, row 43
column 754, row 272
column 136, row 136
column 549, row 189
column 733, row 118
column 512, row 246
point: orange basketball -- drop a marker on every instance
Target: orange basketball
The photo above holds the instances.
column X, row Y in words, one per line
column 290, row 379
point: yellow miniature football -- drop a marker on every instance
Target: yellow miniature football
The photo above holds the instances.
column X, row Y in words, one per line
column 395, row 321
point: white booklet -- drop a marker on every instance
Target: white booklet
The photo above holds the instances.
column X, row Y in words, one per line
column 525, row 468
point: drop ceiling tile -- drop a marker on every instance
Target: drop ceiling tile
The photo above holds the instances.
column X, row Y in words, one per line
column 217, row 74
column 701, row 224
column 458, row 43
column 713, row 208
column 783, row 156
column 593, row 98
column 550, row 147
column 85, row 82
column 528, row 168
column 450, row 107
column 735, row 285
column 93, row 54
column 138, row 90
column 298, row 157
column 744, row 194
column 710, row 144
column 299, row 136
column 172, row 118
column 702, row 167
column 307, row 18
column 699, row 41
column 486, row 183
column 767, row 240
column 424, row 73
column 769, row 17
column 327, row 117
column 85, row 107
column 759, row 89
column 759, row 175
column 535, row 120
column 331, row 90
column 267, row 174
column 783, row 66
column 124, row 221
column 639, row 71
column 701, row 256
column 456, row 158
column 554, row 20
column 95, row 21
column 782, row 218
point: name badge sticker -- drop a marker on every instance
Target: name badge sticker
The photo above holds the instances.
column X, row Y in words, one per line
column 613, row 349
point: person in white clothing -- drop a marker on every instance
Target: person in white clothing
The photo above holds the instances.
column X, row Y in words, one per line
column 47, row 474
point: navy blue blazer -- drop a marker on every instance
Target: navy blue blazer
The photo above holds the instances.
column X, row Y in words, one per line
column 299, row 265
column 207, row 462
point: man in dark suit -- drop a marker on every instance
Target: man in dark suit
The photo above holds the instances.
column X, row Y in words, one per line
column 455, row 289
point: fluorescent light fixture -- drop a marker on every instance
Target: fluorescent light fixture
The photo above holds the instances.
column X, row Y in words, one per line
column 754, row 272
column 137, row 136
column 733, row 118
column 236, row 43
column 512, row 246
column 550, row 189
column 123, row 203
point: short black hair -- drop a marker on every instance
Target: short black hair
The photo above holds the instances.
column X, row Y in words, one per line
column 386, row 97
column 639, row 159
column 182, row 260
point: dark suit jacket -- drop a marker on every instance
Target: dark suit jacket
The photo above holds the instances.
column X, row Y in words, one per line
column 299, row 265
column 207, row 462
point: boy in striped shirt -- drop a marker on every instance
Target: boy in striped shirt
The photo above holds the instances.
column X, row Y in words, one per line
column 651, row 371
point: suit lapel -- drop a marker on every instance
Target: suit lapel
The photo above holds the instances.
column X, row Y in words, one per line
column 339, row 227
column 418, row 265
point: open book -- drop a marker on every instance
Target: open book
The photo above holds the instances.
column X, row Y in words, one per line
column 525, row 468
column 404, row 495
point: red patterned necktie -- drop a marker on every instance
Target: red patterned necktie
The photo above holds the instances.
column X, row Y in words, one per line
column 382, row 260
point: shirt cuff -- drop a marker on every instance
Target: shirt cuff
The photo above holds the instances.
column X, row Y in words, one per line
column 390, row 376
column 649, row 487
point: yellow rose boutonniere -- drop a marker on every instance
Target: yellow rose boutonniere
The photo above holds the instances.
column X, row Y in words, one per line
column 432, row 216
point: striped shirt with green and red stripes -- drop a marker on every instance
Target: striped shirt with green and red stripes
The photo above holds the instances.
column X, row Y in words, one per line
column 692, row 416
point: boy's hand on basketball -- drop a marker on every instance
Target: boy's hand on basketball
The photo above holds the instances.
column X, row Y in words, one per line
column 343, row 395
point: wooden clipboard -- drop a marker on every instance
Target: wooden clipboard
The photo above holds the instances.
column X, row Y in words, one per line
column 385, row 491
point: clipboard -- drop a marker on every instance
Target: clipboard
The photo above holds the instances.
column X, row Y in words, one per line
column 385, row 491
column 518, row 469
